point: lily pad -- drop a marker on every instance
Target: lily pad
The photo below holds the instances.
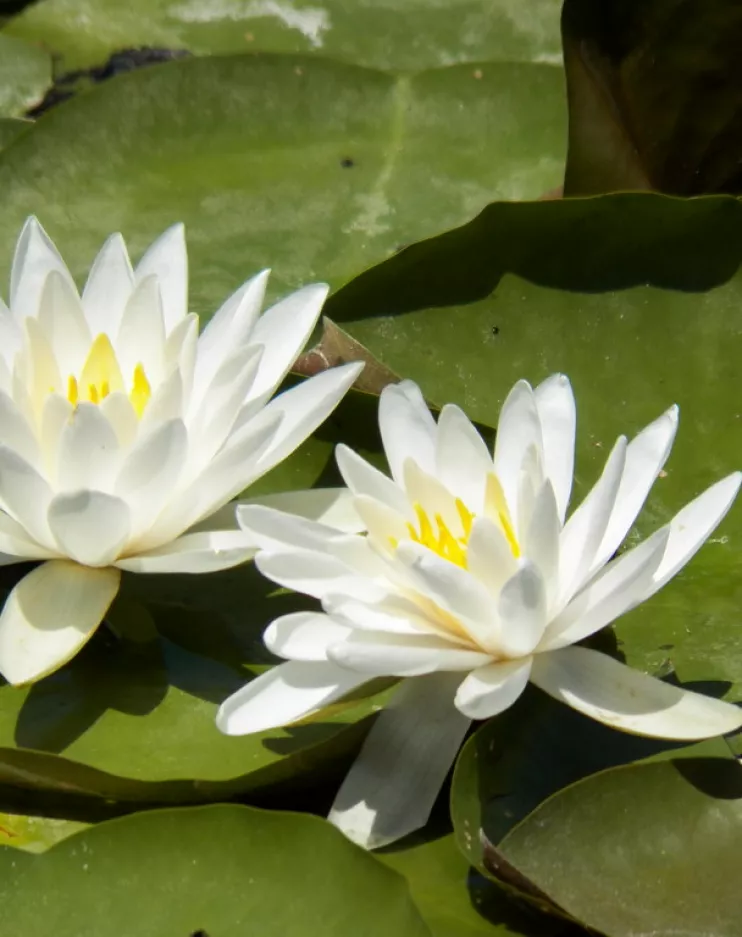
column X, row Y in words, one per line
column 590, row 320
column 649, row 848
column 10, row 128
column 220, row 870
column 35, row 834
column 25, row 75
column 315, row 168
column 408, row 34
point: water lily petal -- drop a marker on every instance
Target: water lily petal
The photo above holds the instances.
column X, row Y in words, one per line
column 108, row 287
column 462, row 458
column 617, row 588
column 167, row 259
column 332, row 507
column 390, row 654
column 88, row 453
column 285, row 694
column 35, row 258
column 89, row 526
column 50, row 615
column 541, row 541
column 269, row 529
column 394, row 613
column 602, row 688
column 385, row 526
column 284, row 330
column 62, row 320
column 363, row 479
column 557, row 413
column 395, row 780
column 16, row 432
column 204, row 552
column 493, row 688
column 407, row 429
column 518, row 428
column 522, row 612
column 304, row 635
column 488, row 556
column 315, row 574
column 141, row 334
column 645, row 455
column 25, row 495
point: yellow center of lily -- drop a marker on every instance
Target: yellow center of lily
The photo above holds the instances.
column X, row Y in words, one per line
column 101, row 375
column 436, row 534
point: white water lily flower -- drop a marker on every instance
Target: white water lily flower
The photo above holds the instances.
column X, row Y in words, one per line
column 471, row 583
column 121, row 430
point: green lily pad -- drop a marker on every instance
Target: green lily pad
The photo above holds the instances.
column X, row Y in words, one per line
column 25, row 75
column 650, row 849
column 35, row 834
column 590, row 320
column 220, row 870
column 409, row 34
column 315, row 168
column 10, row 128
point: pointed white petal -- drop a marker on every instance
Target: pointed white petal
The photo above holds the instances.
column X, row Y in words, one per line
column 600, row 687
column 25, row 495
column 11, row 338
column 284, row 695
column 50, row 615
column 518, row 428
column 168, row 261
column 541, row 541
column 617, row 588
column 489, row 557
column 557, row 413
column 269, row 529
column 393, row 613
column 150, row 472
column 89, row 526
column 283, row 330
column 691, row 527
column 390, row 654
column 141, row 335
column 17, row 545
column 462, row 458
column 393, row 784
column 228, row 329
column 585, row 529
column 166, row 403
column 645, row 456
column 522, row 612
column 35, row 258
column 407, row 428
column 432, row 495
column 304, row 407
column 492, row 689
column 89, row 452
column 108, row 287
column 63, row 322
column 333, row 507
column 385, row 527
column 363, row 479
column 204, row 552
column 315, row 574
column 16, row 433
column 303, row 635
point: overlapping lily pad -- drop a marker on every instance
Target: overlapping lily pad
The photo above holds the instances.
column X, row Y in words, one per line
column 25, row 75
column 315, row 168
column 407, row 34
column 220, row 870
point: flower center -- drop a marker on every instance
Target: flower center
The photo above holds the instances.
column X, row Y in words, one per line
column 101, row 376
column 437, row 535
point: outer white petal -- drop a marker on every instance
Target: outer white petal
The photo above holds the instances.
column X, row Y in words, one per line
column 25, row 495
column 645, row 456
column 619, row 587
column 600, row 687
column 691, row 526
column 389, row 654
column 493, row 689
column 141, row 333
column 518, row 428
column 363, row 479
column 555, row 404
column 304, row 407
column 89, row 526
column 462, row 458
column 303, row 635
column 168, row 261
column 316, row 574
column 204, row 552
column 49, row 615
column 284, row 695
column 108, row 287
column 407, row 428
column 228, row 329
column 16, row 432
column 585, row 529
column 393, row 784
column 89, row 454
column 283, row 330
column 35, row 258
column 62, row 320
column 16, row 545
column 455, row 591
column 333, row 507
column 522, row 612
column 394, row 613
column 541, row 542
column 11, row 339
column 268, row 529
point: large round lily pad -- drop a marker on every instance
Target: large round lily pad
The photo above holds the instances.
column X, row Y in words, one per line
column 25, row 75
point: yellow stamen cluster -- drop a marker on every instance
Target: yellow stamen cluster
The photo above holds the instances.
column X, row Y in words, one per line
column 101, row 376
column 440, row 540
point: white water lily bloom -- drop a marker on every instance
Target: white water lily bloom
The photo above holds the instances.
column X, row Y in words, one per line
column 121, row 430
column 471, row 583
